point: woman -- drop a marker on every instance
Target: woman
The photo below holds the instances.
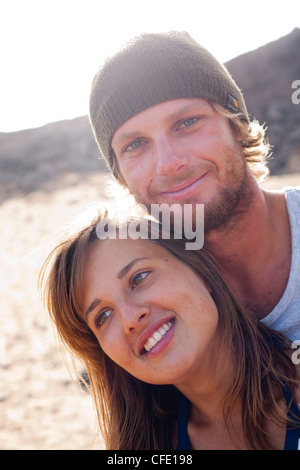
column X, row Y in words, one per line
column 174, row 361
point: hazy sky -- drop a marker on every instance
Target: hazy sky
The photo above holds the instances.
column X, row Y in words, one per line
column 51, row 49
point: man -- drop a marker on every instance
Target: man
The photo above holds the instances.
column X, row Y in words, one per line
column 173, row 127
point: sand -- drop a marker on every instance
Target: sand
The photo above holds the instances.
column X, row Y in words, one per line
column 40, row 406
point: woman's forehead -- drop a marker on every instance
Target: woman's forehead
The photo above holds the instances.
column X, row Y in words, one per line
column 113, row 252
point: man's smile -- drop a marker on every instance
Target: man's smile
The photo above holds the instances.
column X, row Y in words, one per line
column 184, row 189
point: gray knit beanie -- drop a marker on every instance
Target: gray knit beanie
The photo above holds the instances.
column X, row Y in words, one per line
column 151, row 69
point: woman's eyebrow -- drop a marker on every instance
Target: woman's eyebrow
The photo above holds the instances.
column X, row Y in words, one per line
column 92, row 306
column 128, row 266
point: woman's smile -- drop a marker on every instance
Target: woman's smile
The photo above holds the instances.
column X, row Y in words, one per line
column 159, row 339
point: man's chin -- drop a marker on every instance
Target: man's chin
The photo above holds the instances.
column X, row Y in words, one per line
column 226, row 212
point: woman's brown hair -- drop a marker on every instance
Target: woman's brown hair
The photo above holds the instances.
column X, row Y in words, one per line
column 135, row 415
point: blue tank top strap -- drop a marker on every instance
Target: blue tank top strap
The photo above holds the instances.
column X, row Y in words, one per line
column 292, row 436
column 183, row 442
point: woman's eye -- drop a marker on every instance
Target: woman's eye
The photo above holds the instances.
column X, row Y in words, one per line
column 138, row 278
column 102, row 317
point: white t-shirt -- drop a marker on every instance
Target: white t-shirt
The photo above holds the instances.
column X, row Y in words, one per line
column 285, row 317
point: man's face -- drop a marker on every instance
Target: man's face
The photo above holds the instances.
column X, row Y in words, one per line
column 183, row 151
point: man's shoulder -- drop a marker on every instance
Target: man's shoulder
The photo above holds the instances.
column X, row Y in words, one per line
column 292, row 195
column 293, row 189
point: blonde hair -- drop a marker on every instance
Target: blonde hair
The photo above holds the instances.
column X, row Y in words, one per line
column 255, row 146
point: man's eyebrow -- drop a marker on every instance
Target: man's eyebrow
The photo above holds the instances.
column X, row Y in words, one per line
column 186, row 109
column 128, row 266
column 127, row 136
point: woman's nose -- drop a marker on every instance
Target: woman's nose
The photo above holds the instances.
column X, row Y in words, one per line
column 133, row 317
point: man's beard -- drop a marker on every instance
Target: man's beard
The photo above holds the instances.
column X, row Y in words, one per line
column 231, row 204
column 226, row 208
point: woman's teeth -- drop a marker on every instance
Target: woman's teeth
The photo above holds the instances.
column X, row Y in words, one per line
column 157, row 336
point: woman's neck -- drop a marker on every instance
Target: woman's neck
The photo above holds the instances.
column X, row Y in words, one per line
column 208, row 389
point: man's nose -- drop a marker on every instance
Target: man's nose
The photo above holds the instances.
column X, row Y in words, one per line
column 133, row 317
column 169, row 158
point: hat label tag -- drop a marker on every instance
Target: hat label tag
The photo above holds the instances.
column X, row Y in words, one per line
column 232, row 103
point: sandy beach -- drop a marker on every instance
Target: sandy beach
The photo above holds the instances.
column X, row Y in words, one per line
column 40, row 405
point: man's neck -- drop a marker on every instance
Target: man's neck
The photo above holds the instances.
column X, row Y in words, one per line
column 255, row 251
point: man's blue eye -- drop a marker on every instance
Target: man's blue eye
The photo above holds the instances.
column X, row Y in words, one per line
column 134, row 145
column 189, row 122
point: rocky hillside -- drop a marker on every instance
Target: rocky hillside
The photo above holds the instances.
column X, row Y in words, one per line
column 265, row 77
column 61, row 153
column 47, row 158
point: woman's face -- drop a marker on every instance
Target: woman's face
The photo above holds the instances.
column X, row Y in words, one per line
column 150, row 312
